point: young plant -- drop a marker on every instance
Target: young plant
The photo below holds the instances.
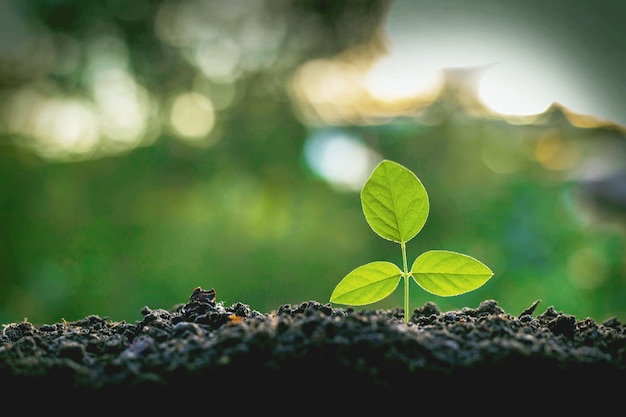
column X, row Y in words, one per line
column 395, row 204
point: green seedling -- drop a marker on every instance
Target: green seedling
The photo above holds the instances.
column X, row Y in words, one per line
column 395, row 204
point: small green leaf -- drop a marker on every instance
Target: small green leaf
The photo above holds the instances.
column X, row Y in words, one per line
column 367, row 284
column 448, row 273
column 395, row 202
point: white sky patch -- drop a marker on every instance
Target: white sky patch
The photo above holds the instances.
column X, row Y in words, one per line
column 525, row 70
column 514, row 90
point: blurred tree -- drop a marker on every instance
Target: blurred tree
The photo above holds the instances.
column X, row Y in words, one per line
column 83, row 81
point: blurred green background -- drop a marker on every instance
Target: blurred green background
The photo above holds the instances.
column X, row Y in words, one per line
column 151, row 146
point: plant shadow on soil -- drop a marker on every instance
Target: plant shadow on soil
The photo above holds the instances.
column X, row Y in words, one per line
column 313, row 351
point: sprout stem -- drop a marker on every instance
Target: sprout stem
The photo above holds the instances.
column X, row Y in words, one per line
column 406, row 282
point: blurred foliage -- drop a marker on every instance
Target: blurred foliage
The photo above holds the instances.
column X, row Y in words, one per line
column 112, row 199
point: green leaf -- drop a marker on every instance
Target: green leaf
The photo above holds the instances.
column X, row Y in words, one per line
column 395, row 202
column 448, row 273
column 367, row 284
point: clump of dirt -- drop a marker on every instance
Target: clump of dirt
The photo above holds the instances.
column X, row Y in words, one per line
column 203, row 346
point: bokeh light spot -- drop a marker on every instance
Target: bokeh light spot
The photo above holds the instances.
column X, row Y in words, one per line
column 330, row 91
column 218, row 60
column 340, row 159
column 192, row 115
column 555, row 153
column 123, row 105
column 391, row 79
column 66, row 126
column 324, row 81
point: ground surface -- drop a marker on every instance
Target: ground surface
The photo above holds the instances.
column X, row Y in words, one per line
column 204, row 347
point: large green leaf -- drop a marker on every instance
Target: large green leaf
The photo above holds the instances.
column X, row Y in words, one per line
column 367, row 284
column 395, row 202
column 448, row 273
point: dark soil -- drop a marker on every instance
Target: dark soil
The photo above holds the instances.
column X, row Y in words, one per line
column 205, row 348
